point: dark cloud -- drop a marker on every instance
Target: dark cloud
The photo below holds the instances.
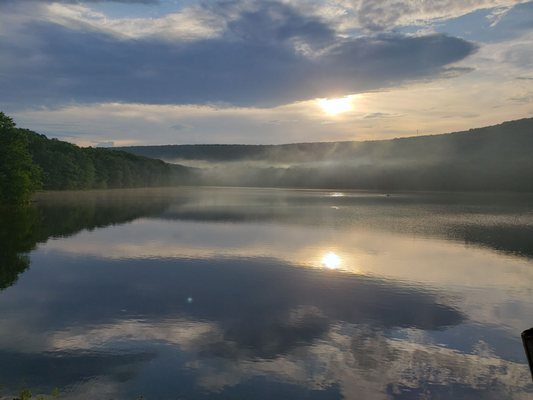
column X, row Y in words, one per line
column 268, row 56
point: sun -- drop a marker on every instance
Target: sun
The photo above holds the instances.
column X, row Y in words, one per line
column 331, row 260
column 336, row 106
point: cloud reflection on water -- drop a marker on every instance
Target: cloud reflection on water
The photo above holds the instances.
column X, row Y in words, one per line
column 406, row 315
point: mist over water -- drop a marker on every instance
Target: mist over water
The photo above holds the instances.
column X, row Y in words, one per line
column 495, row 158
column 211, row 293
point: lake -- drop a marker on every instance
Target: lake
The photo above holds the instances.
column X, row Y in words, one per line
column 228, row 293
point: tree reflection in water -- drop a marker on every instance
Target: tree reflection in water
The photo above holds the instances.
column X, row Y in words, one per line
column 63, row 214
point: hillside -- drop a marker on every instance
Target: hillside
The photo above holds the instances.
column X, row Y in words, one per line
column 506, row 138
column 30, row 161
column 494, row 158
column 67, row 166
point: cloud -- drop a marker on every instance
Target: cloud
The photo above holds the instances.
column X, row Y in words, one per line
column 387, row 15
column 382, row 14
column 189, row 23
column 268, row 55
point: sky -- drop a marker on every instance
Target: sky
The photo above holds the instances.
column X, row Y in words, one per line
column 141, row 72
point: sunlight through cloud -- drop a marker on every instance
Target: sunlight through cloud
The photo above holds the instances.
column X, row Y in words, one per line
column 331, row 260
column 336, row 106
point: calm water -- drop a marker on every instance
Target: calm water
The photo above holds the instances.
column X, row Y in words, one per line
column 266, row 294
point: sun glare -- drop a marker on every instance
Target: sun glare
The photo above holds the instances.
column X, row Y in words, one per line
column 331, row 260
column 336, row 106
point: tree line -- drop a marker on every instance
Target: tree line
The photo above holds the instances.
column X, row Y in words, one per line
column 30, row 161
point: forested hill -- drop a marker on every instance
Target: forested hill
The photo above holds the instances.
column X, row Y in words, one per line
column 496, row 158
column 30, row 161
column 67, row 166
column 514, row 138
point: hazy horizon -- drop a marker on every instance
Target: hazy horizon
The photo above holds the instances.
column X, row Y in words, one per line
column 416, row 135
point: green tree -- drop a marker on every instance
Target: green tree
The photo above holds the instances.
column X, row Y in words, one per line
column 19, row 176
column 6, row 122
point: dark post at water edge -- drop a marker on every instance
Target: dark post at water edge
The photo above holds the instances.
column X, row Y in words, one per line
column 527, row 338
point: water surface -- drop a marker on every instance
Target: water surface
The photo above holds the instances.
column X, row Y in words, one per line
column 262, row 294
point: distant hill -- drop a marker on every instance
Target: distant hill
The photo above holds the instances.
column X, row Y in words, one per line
column 511, row 135
column 494, row 158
